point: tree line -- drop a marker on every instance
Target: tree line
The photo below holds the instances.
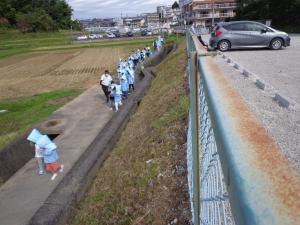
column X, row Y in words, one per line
column 36, row 15
column 282, row 13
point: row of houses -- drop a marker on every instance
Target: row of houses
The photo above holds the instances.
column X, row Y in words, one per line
column 205, row 13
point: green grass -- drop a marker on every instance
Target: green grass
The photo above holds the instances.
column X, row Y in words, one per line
column 105, row 44
column 25, row 112
column 173, row 38
column 178, row 112
column 13, row 42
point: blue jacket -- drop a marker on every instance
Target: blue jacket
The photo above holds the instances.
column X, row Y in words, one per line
column 130, row 77
column 124, row 85
column 118, row 90
column 50, row 156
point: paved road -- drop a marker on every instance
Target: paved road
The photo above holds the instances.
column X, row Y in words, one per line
column 280, row 69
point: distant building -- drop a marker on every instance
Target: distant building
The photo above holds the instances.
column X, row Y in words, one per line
column 88, row 23
column 119, row 21
column 206, row 13
column 133, row 22
column 169, row 15
column 152, row 19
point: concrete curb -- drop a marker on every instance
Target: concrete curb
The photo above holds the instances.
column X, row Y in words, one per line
column 259, row 83
column 246, row 73
column 282, row 101
column 60, row 204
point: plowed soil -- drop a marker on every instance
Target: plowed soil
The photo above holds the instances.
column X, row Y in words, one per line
column 43, row 72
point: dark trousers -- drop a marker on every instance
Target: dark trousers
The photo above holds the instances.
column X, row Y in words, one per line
column 106, row 92
column 125, row 94
column 131, row 87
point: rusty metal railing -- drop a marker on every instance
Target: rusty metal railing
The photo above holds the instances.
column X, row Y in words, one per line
column 210, row 205
column 237, row 174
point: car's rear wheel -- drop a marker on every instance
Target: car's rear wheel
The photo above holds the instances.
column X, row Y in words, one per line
column 276, row 44
column 224, row 45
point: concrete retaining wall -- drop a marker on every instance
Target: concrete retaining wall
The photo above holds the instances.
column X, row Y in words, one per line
column 14, row 156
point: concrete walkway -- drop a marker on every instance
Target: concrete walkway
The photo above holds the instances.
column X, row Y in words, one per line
column 78, row 123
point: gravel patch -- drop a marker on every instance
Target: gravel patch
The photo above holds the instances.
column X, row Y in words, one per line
column 283, row 124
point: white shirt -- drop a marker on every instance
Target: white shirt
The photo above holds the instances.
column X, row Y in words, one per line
column 39, row 152
column 106, row 79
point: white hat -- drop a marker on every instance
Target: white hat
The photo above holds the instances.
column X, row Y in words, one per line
column 34, row 136
column 44, row 141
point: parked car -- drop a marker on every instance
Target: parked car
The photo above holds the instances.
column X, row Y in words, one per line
column 99, row 35
column 136, row 30
column 149, row 33
column 247, row 34
column 143, row 33
column 83, row 37
column 110, row 35
column 117, row 34
column 129, row 34
column 93, row 36
column 146, row 33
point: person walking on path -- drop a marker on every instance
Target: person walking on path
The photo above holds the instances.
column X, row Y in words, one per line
column 111, row 95
column 50, row 156
column 117, row 92
column 124, row 87
column 33, row 137
column 130, row 76
column 105, row 81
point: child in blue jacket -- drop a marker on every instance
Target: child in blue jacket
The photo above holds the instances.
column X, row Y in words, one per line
column 124, row 87
column 130, row 79
column 50, row 156
column 117, row 93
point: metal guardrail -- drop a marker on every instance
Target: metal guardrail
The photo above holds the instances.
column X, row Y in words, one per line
column 223, row 135
column 210, row 200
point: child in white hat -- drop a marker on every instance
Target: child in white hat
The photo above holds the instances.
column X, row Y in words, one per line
column 33, row 137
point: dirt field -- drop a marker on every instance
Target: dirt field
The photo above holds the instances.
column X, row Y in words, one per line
column 43, row 72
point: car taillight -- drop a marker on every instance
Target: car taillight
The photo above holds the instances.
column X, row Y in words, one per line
column 218, row 33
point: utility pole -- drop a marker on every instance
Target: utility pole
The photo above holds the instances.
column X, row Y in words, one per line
column 213, row 13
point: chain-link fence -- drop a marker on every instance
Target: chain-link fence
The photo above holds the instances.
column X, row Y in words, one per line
column 210, row 205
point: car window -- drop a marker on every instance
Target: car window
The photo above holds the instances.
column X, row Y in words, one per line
column 254, row 27
column 235, row 27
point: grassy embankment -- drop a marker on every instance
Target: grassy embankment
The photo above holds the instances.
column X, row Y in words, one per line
column 13, row 42
column 144, row 179
column 24, row 112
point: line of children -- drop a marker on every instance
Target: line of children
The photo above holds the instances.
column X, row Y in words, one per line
column 45, row 153
column 158, row 43
column 124, row 84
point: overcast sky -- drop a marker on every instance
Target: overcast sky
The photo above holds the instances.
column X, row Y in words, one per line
column 84, row 9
